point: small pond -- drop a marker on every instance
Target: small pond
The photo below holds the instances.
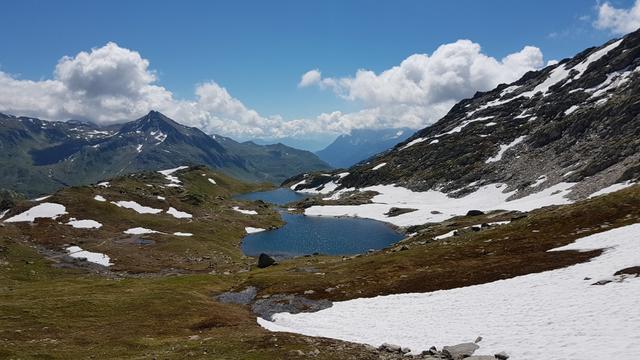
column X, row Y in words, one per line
column 302, row 235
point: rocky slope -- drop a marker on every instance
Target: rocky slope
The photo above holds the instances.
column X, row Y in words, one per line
column 574, row 122
column 361, row 144
column 40, row 156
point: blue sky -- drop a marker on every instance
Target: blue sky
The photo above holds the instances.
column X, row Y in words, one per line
column 258, row 50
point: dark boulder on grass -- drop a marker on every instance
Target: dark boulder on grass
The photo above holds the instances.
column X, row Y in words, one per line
column 265, row 260
column 475, row 213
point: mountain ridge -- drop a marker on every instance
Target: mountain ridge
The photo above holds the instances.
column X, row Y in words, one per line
column 573, row 122
column 360, row 144
column 41, row 156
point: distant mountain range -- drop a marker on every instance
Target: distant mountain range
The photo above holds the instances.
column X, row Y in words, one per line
column 38, row 156
column 575, row 124
column 361, row 144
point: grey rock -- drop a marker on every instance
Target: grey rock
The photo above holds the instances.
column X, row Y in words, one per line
column 390, row 348
column 480, row 357
column 243, row 297
column 293, row 304
column 501, row 355
column 460, row 351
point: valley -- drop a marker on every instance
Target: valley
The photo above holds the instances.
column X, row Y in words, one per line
column 462, row 206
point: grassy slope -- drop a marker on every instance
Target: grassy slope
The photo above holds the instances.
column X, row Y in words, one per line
column 47, row 312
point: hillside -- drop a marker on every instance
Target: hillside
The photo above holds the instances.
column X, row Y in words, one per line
column 554, row 136
column 40, row 156
column 349, row 149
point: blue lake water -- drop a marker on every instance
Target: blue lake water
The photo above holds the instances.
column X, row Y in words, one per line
column 302, row 235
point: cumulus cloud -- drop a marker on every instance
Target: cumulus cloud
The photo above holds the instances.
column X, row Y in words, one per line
column 309, row 78
column 422, row 88
column 112, row 84
column 619, row 21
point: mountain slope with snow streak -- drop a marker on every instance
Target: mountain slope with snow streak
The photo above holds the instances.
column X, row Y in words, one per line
column 573, row 122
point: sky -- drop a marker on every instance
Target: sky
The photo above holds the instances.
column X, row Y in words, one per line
column 305, row 70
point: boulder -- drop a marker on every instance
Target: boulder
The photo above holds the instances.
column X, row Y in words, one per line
column 501, row 355
column 475, row 213
column 265, row 260
column 460, row 351
column 390, row 348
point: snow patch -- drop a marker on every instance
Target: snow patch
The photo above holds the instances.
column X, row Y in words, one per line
column 246, row 212
column 559, row 311
column 485, row 198
column 539, row 181
column 178, row 214
column 379, row 166
column 212, row 181
column 503, row 149
column 253, row 230
column 136, row 207
column 99, row 198
column 178, row 233
column 140, row 231
column 92, row 257
column 44, row 210
column 84, row 224
column 413, row 142
column 41, row 198
column 612, row 188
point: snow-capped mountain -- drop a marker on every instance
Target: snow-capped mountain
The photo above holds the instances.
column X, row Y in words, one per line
column 349, row 149
column 40, row 156
column 572, row 125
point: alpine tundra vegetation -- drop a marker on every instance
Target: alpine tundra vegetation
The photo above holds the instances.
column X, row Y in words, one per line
column 453, row 206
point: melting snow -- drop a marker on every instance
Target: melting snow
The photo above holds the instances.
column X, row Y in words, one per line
column 212, row 181
column 44, row 210
column 99, row 198
column 178, row 214
column 84, row 224
column 413, row 142
column 559, row 311
column 571, row 109
column 5, row 212
column 140, row 231
column 137, row 207
column 464, row 124
column 503, row 149
column 379, row 166
column 178, row 233
column 252, row 230
column 486, row 198
column 246, row 212
column 539, row 181
column 168, row 174
column 93, row 257
column 104, row 184
column 41, row 198
column 612, row 188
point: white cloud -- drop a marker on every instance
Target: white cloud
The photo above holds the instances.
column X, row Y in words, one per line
column 619, row 21
column 309, row 78
column 424, row 87
column 112, row 84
